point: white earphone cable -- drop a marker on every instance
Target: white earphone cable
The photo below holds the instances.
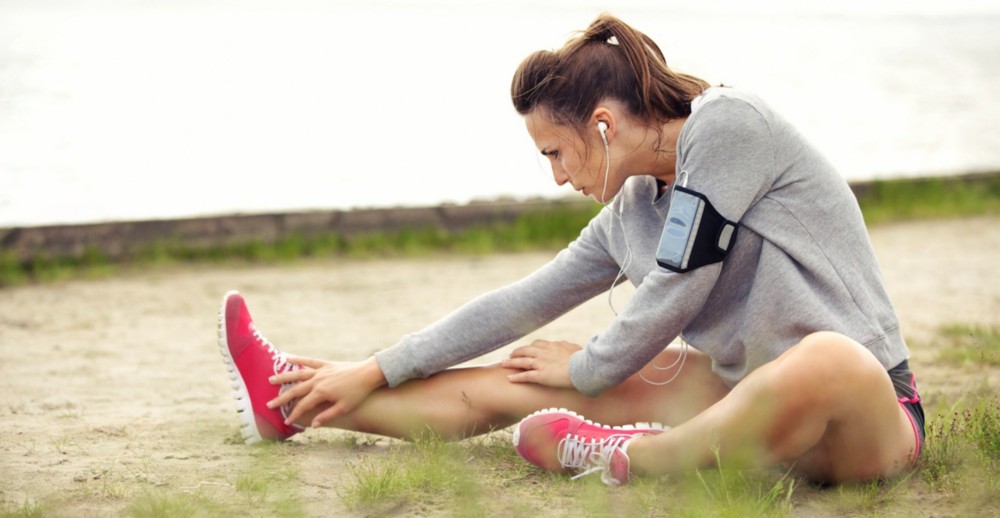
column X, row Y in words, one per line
column 682, row 357
column 621, row 223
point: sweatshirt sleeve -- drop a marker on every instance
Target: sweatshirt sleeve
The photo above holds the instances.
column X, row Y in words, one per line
column 728, row 152
column 578, row 273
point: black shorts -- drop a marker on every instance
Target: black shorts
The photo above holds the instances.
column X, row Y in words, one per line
column 906, row 393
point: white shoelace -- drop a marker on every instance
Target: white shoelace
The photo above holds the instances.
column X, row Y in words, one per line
column 280, row 366
column 576, row 452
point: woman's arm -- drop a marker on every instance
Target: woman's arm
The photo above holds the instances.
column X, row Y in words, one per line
column 727, row 149
column 578, row 273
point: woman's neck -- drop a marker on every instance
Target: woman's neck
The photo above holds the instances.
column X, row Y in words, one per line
column 659, row 158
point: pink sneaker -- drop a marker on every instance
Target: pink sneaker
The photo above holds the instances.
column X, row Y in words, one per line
column 251, row 360
column 578, row 444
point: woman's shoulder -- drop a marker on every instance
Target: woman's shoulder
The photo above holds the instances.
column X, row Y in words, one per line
column 726, row 96
column 721, row 108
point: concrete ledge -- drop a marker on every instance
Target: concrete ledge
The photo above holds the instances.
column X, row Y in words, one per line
column 115, row 240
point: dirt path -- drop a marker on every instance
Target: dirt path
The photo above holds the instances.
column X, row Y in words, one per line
column 113, row 387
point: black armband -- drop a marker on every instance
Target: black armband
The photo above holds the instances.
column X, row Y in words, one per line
column 695, row 234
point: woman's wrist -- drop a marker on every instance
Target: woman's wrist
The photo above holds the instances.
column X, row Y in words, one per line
column 374, row 377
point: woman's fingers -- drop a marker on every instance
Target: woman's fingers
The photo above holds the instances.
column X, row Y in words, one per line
column 296, row 391
column 302, row 406
column 524, row 377
column 538, row 353
column 336, row 410
column 542, row 362
column 526, row 357
column 521, row 362
column 306, row 362
column 519, row 352
column 532, row 349
column 292, row 376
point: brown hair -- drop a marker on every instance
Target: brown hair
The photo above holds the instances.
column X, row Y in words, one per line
column 608, row 60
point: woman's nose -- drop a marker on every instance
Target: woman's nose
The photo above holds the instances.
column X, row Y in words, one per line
column 559, row 175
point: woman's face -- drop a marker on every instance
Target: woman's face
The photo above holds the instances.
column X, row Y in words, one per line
column 579, row 161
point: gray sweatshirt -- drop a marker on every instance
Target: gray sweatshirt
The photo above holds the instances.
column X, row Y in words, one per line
column 802, row 262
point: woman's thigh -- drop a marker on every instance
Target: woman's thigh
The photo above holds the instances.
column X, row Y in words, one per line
column 868, row 434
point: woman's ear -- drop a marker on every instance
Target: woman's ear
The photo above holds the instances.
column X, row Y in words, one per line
column 603, row 121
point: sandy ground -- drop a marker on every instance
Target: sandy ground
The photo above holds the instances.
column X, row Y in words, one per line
column 113, row 386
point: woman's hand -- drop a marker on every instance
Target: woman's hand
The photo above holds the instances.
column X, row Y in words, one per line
column 542, row 362
column 342, row 385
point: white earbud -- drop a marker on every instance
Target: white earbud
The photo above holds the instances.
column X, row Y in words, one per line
column 603, row 127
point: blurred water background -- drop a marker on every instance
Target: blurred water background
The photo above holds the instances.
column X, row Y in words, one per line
column 122, row 110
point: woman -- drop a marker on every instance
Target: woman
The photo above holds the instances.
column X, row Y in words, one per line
column 739, row 237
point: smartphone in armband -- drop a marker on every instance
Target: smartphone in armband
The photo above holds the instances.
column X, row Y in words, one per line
column 694, row 233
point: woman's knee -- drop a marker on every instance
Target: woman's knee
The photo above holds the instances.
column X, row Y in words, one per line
column 826, row 366
column 827, row 344
column 827, row 354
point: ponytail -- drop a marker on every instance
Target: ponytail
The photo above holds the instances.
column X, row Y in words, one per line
column 608, row 60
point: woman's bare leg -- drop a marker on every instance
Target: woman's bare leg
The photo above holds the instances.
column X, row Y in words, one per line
column 462, row 402
column 826, row 407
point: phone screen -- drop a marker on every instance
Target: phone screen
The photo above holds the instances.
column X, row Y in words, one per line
column 680, row 229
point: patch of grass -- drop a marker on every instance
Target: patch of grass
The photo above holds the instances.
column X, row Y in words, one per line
column 730, row 492
column 427, row 473
column 970, row 345
column 12, row 272
column 152, row 504
column 494, row 453
column 739, row 493
column 268, row 484
column 963, row 447
column 63, row 444
column 27, row 509
column 944, row 454
column 865, row 498
column 271, row 482
column 722, row 492
column 252, row 483
column 984, row 430
column 348, row 439
column 906, row 199
column 110, row 484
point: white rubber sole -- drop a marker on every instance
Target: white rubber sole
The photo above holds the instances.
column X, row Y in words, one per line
column 627, row 427
column 244, row 408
